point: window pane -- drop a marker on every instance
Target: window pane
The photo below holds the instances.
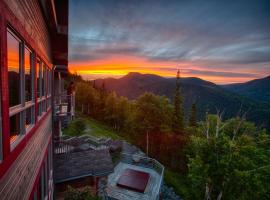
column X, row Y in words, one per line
column 40, row 108
column 14, row 125
column 28, row 75
column 44, row 81
column 13, row 47
column 29, row 117
column 38, row 78
column 49, row 82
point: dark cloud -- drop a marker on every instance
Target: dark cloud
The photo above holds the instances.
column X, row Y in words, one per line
column 221, row 73
column 232, row 32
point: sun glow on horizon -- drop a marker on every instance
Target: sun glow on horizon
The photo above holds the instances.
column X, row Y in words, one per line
column 118, row 66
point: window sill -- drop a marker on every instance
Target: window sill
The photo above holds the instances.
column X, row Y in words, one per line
column 42, row 115
column 41, row 99
column 16, row 142
column 28, row 129
column 29, row 104
column 15, row 109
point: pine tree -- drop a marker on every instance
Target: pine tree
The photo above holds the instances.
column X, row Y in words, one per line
column 193, row 113
column 178, row 117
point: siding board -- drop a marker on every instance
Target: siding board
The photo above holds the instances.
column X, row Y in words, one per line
column 30, row 16
column 25, row 169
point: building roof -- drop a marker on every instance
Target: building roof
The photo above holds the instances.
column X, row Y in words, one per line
column 56, row 15
column 80, row 164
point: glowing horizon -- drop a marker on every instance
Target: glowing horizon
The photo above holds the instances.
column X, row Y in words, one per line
column 117, row 67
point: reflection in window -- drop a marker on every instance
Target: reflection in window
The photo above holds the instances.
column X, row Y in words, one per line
column 44, row 80
column 28, row 75
column 29, row 117
column 13, row 47
column 40, row 108
column 14, row 126
column 38, row 78
column 49, row 82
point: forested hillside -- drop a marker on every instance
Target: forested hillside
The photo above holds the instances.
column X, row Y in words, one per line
column 258, row 89
column 211, row 158
column 208, row 96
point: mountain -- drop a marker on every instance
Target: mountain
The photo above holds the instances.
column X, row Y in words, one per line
column 208, row 96
column 258, row 89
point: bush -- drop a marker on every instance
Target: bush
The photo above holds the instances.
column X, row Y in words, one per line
column 74, row 194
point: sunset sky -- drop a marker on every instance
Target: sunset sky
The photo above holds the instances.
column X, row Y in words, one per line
column 220, row 41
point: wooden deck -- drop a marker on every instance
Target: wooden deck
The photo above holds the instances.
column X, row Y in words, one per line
column 119, row 193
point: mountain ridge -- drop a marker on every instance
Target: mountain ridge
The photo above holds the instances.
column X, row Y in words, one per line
column 208, row 96
column 257, row 89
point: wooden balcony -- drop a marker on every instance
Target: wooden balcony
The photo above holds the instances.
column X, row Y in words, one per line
column 64, row 106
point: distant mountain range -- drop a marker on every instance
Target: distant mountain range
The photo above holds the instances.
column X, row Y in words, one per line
column 208, row 96
column 258, row 89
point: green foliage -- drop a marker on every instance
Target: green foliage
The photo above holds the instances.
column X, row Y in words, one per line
column 76, row 127
column 179, row 182
column 226, row 159
column 153, row 113
column 230, row 160
column 74, row 194
column 193, row 116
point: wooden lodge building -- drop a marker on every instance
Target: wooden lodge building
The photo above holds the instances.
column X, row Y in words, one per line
column 33, row 57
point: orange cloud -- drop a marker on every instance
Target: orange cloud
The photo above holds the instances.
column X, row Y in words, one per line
column 117, row 66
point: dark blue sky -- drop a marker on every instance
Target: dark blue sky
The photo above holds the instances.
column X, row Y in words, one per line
column 222, row 41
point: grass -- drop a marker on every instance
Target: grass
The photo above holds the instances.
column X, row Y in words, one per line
column 85, row 125
column 100, row 130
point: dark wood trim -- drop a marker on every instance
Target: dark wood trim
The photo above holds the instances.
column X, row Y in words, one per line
column 4, row 88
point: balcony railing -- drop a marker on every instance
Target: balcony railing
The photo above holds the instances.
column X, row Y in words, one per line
column 64, row 105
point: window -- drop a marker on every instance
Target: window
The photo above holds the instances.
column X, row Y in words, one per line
column 28, row 75
column 38, row 79
column 43, row 182
column 29, row 117
column 42, row 88
column 49, row 90
column 1, row 150
column 14, row 123
column 20, row 85
column 13, row 55
column 39, row 86
column 44, row 80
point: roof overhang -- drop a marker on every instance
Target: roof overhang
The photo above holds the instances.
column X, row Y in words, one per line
column 56, row 15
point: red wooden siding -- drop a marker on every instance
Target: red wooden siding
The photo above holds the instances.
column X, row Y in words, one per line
column 18, row 181
column 28, row 13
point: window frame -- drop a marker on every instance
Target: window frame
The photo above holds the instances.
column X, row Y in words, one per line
column 41, row 100
column 21, row 108
column 1, row 133
column 13, row 33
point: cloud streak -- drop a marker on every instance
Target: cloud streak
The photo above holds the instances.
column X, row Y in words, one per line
column 211, row 36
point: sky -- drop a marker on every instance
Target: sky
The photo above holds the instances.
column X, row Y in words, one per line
column 220, row 41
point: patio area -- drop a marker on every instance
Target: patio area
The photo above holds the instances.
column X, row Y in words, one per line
column 145, row 165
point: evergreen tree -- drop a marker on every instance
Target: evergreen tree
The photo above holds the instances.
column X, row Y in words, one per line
column 178, row 116
column 102, row 99
column 193, row 113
